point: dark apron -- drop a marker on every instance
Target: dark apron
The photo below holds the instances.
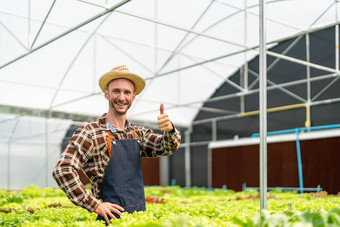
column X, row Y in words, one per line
column 123, row 182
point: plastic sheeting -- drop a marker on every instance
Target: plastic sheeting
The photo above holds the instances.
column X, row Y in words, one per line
column 184, row 49
column 23, row 150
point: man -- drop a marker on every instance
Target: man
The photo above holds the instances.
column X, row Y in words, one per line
column 108, row 150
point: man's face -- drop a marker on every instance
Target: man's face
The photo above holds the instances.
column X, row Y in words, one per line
column 121, row 94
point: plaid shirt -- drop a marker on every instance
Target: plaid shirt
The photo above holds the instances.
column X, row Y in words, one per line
column 88, row 150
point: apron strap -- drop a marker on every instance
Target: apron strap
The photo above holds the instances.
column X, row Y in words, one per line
column 108, row 142
column 111, row 137
column 136, row 135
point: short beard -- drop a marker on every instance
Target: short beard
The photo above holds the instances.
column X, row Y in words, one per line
column 119, row 112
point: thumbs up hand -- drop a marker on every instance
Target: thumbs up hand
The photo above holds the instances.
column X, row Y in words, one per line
column 164, row 123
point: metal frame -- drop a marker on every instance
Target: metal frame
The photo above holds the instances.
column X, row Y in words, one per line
column 66, row 32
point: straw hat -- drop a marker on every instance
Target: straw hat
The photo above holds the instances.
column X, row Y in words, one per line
column 121, row 71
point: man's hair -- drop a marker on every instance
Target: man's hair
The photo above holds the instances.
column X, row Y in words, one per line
column 108, row 84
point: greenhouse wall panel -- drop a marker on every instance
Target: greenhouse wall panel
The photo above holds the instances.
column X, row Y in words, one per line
column 237, row 162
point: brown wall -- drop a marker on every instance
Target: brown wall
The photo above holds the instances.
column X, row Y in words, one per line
column 150, row 171
column 234, row 166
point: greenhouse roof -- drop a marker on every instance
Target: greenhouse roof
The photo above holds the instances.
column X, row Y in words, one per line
column 52, row 53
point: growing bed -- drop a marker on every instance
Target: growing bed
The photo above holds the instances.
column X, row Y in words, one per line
column 175, row 206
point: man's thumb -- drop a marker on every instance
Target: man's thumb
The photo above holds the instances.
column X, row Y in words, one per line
column 161, row 108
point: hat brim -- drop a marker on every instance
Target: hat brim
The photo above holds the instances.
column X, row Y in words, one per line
column 109, row 76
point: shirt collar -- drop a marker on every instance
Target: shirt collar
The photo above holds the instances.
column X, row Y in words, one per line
column 113, row 129
column 104, row 124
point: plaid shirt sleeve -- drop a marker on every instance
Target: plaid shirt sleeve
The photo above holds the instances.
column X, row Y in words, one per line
column 156, row 145
column 66, row 171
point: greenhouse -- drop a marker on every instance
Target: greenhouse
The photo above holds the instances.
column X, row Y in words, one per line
column 251, row 85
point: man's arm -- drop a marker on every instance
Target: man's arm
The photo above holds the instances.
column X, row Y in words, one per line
column 155, row 145
column 66, row 171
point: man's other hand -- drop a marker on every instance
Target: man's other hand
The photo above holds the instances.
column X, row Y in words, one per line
column 106, row 209
column 164, row 123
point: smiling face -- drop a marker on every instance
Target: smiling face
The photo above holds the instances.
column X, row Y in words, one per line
column 121, row 94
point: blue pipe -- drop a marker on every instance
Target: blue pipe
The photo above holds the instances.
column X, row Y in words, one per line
column 173, row 182
column 274, row 132
column 298, row 152
column 317, row 189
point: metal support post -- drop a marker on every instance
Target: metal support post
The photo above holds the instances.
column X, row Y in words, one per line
column 214, row 129
column 48, row 143
column 187, row 159
column 337, row 47
column 164, row 171
column 263, row 108
column 308, row 68
column 308, row 123
column 209, row 164
column 10, row 140
column 244, row 83
column 94, row 69
column 242, row 106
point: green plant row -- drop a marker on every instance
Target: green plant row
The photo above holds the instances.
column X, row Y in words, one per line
column 175, row 206
column 319, row 218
